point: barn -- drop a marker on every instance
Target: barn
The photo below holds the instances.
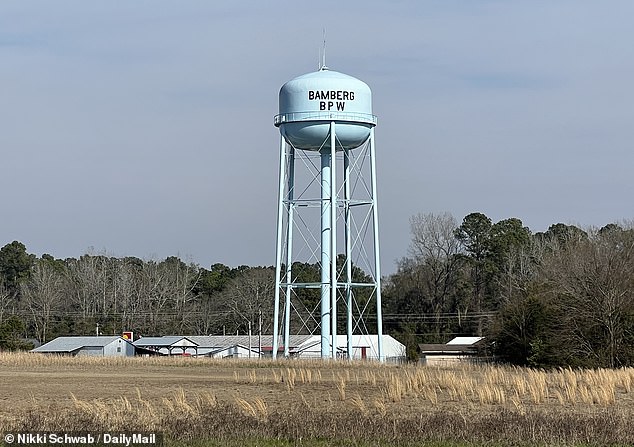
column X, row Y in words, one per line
column 102, row 346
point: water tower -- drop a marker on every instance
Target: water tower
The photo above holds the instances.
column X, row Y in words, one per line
column 327, row 214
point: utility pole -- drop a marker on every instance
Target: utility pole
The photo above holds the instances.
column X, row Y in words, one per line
column 249, row 338
column 259, row 333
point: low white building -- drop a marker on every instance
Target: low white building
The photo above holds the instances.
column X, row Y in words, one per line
column 258, row 345
column 102, row 346
column 217, row 346
column 364, row 347
column 235, row 352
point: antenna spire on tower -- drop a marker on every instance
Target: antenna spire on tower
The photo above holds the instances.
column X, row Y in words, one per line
column 323, row 54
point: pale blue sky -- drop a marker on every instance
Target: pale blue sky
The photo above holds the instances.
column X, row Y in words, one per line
column 145, row 128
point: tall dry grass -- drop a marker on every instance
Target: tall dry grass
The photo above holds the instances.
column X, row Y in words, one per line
column 187, row 417
column 488, row 385
column 356, row 400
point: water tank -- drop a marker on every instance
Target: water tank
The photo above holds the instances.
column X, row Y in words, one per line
column 310, row 102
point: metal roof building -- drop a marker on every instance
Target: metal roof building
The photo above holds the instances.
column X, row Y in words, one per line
column 364, row 347
column 208, row 344
column 255, row 346
column 168, row 345
column 459, row 349
column 102, row 346
column 218, row 346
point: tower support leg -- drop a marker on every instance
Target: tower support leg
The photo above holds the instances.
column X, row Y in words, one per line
column 278, row 249
column 377, row 264
column 348, row 243
column 289, row 250
column 325, row 252
column 333, row 237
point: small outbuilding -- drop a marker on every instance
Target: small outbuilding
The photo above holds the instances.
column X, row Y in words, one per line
column 102, row 346
column 457, row 350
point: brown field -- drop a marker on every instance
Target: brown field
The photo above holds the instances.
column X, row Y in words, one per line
column 364, row 403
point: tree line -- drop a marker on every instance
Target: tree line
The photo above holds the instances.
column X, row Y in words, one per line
column 42, row 298
column 560, row 297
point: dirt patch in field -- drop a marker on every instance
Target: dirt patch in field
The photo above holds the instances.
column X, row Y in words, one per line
column 325, row 387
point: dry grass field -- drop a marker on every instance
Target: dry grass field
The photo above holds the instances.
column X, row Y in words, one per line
column 310, row 403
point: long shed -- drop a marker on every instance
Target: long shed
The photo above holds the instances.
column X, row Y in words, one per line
column 102, row 346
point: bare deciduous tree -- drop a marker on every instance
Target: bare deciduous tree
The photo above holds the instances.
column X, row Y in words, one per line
column 435, row 250
column 42, row 295
column 5, row 302
column 249, row 295
column 592, row 282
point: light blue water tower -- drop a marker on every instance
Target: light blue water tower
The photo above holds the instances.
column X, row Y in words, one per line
column 327, row 131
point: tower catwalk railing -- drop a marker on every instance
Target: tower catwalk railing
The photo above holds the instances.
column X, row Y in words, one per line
column 328, row 116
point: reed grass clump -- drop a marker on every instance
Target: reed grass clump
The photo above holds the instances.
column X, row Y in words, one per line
column 341, row 387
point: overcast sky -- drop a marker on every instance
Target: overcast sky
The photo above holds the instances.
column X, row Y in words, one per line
column 145, row 128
